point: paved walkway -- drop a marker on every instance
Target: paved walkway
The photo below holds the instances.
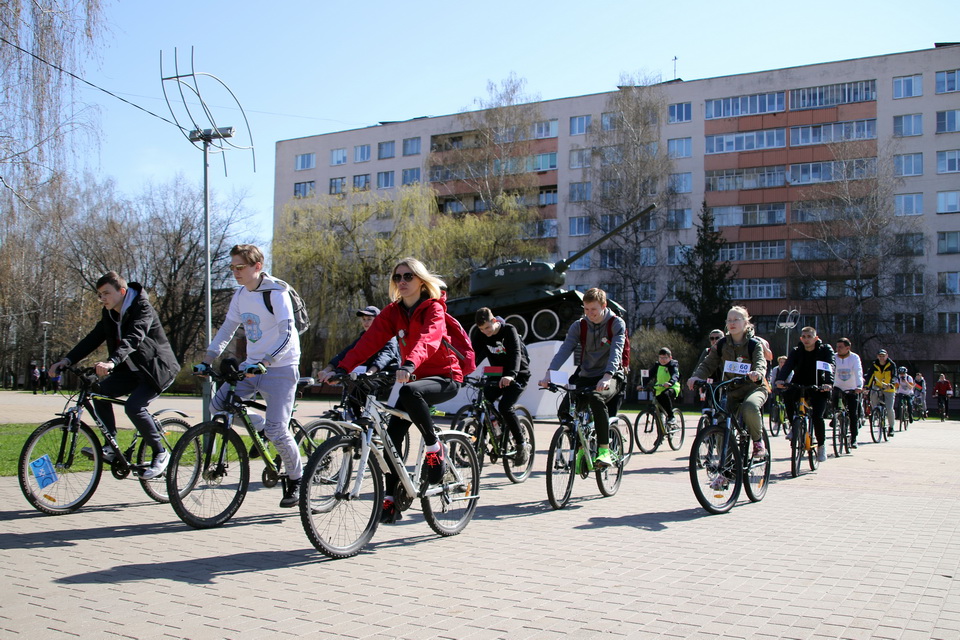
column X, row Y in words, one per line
column 866, row 547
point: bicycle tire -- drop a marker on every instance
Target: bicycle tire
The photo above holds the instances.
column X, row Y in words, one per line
column 798, row 437
column 75, row 484
column 523, row 411
column 646, row 432
column 561, row 469
column 462, row 414
column 474, row 432
column 626, row 430
column 336, row 524
column 319, row 431
column 519, row 473
column 812, row 459
column 450, row 511
column 171, row 430
column 757, row 473
column 609, row 478
column 877, row 425
column 845, row 432
column 773, row 420
column 716, row 482
column 676, row 434
column 218, row 486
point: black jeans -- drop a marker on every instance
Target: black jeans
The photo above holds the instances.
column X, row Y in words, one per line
column 141, row 395
column 852, row 401
column 665, row 399
column 818, row 404
column 597, row 401
column 508, row 399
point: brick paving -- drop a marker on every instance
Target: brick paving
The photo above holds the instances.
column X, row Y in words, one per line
column 866, row 547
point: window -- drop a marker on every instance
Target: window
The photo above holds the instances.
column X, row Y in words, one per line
column 545, row 129
column 750, row 178
column 542, row 229
column 948, row 242
column 579, row 158
column 907, row 86
column 814, row 172
column 744, row 105
column 580, row 264
column 338, row 157
column 760, row 250
column 579, row 125
column 948, row 161
column 548, row 195
column 304, row 189
column 911, row 125
column 908, row 322
column 411, row 146
column 610, row 221
column 544, row 161
column 833, row 94
column 680, row 112
column 948, row 322
column 611, row 258
column 680, row 147
column 384, row 179
column 909, row 244
column 681, row 182
column 948, row 121
column 679, row 218
column 361, row 182
column 910, row 164
column 908, row 284
column 833, row 132
column 647, row 292
column 947, row 81
column 611, row 155
column 948, row 202
column 609, row 120
column 579, row 226
column 757, row 288
column 750, row 215
column 676, row 253
column 410, row 176
column 647, row 257
column 337, row 185
column 579, row 191
column 746, row 141
column 361, row 153
column 386, row 150
column 306, row 161
column 452, row 206
column 948, row 283
column 908, row 204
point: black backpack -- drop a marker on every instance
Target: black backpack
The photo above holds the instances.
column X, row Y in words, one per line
column 301, row 319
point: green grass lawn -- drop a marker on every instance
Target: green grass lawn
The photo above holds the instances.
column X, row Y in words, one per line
column 12, row 437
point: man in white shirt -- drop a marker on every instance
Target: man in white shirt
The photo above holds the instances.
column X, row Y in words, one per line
column 849, row 381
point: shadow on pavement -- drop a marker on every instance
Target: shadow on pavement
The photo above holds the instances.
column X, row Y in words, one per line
column 646, row 521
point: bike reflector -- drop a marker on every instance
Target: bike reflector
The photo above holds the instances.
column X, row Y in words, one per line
column 43, row 471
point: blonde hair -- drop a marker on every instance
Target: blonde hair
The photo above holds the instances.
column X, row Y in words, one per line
column 432, row 284
column 749, row 329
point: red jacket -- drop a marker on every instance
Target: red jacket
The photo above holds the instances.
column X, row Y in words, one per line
column 419, row 337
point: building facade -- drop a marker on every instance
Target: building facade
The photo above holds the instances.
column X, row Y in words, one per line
column 754, row 148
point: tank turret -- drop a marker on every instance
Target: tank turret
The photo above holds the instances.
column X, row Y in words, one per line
column 530, row 295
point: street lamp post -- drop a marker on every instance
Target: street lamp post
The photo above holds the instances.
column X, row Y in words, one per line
column 788, row 320
column 43, row 363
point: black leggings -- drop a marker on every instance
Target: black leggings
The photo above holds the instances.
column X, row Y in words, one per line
column 666, row 401
column 508, row 399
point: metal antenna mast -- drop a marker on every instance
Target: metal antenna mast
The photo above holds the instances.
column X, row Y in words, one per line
column 205, row 133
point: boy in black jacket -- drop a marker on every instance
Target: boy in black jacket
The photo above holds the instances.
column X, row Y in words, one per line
column 812, row 363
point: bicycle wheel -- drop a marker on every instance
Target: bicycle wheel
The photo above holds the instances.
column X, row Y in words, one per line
column 473, row 430
column 799, row 437
column 645, row 431
column 450, row 509
column 757, row 474
column 171, row 430
column 462, row 414
column 675, row 434
column 811, row 446
column 608, row 478
column 838, row 433
column 623, row 423
column 714, row 475
column 561, row 469
column 208, row 476
column 54, row 476
column 337, row 522
column 517, row 473
column 319, row 431
column 877, row 421
column 524, row 412
column 845, row 431
column 773, row 420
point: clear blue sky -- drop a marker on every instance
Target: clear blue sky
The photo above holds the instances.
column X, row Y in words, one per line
column 307, row 67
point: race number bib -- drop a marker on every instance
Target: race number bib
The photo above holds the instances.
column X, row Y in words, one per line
column 824, row 366
column 736, row 368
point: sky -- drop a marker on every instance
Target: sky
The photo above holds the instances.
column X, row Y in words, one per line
column 301, row 68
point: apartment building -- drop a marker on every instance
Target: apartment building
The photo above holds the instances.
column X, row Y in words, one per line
column 751, row 146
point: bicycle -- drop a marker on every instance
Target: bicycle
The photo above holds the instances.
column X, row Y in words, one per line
column 878, row 416
column 209, row 471
column 484, row 425
column 903, row 406
column 721, row 460
column 841, row 427
column 573, row 450
column 920, row 406
column 341, row 497
column 801, row 433
column 344, row 413
column 650, row 428
column 61, row 462
column 778, row 415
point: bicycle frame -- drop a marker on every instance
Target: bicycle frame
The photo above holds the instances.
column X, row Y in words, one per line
column 734, row 429
column 485, row 412
column 582, row 421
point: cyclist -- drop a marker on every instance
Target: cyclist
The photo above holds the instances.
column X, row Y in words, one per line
column 904, row 394
column 714, row 335
column 500, row 343
column 919, row 394
column 600, row 363
column 812, row 363
column 849, row 382
column 140, row 363
column 429, row 371
column 774, row 391
column 386, row 359
column 880, row 379
column 740, row 353
column 273, row 355
column 943, row 390
column 665, row 374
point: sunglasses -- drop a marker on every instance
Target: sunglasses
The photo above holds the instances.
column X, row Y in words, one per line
column 714, row 338
column 406, row 277
column 237, row 267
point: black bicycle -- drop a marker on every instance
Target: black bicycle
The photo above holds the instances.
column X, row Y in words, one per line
column 653, row 426
column 62, row 460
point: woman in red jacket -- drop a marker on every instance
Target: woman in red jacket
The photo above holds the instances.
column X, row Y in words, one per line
column 429, row 372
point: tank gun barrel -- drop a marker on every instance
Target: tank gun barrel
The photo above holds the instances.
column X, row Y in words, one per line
column 563, row 265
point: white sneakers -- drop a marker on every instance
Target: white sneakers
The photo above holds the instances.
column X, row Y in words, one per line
column 158, row 467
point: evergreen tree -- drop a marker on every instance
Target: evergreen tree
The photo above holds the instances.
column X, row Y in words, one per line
column 704, row 280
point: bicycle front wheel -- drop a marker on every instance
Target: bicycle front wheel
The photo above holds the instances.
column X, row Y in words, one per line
column 645, row 431
column 473, row 430
column 714, row 474
column 675, row 434
column 516, row 470
column 877, row 425
column 561, row 467
column 623, row 423
column 773, row 420
column 797, row 446
column 340, row 504
column 314, row 434
column 55, row 477
column 609, row 478
column 757, row 474
column 208, row 475
column 171, row 430
column 450, row 509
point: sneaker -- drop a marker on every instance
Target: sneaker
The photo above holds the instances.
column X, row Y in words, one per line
column 604, row 458
column 853, row 445
column 890, row 433
column 291, row 495
column 523, row 454
column 106, row 454
column 390, row 513
column 821, row 453
column 759, row 451
column 719, row 483
column 435, row 466
column 158, row 466
column 788, row 433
